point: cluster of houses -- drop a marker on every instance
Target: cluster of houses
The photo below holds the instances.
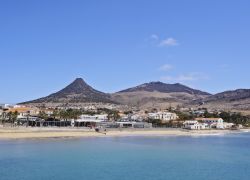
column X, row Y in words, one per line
column 102, row 120
column 207, row 123
column 163, row 115
column 22, row 111
column 29, row 116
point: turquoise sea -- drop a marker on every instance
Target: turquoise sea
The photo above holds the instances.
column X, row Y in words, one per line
column 225, row 157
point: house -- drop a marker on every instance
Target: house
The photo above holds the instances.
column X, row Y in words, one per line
column 89, row 120
column 132, row 116
column 24, row 111
column 103, row 117
column 89, row 108
column 228, row 125
column 164, row 116
column 5, row 106
column 133, row 124
column 198, row 112
column 48, row 111
column 217, row 123
column 30, row 121
column 137, row 117
column 194, row 125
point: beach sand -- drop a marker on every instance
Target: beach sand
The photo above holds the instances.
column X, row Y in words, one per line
column 36, row 133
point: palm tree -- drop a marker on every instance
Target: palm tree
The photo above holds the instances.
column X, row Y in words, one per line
column 15, row 115
column 9, row 115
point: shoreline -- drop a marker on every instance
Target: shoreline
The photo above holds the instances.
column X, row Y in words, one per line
column 42, row 133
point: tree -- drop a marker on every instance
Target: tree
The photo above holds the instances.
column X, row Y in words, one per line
column 207, row 114
column 184, row 116
column 113, row 115
column 73, row 113
column 55, row 114
column 43, row 115
column 14, row 116
column 236, row 118
column 9, row 115
column 63, row 115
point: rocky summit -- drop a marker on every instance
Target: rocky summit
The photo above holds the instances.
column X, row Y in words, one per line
column 77, row 92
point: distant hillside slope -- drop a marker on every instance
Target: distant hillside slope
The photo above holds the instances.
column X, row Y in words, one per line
column 232, row 100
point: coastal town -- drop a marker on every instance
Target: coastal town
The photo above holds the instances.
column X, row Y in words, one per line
column 13, row 116
column 80, row 110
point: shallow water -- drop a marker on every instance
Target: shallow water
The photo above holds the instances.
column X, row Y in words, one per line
column 126, row 158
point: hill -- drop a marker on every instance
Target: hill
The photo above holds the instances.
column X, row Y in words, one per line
column 158, row 95
column 77, row 92
column 148, row 95
column 229, row 100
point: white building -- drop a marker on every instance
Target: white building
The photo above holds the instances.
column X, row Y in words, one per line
column 217, row 123
column 99, row 117
column 133, row 124
column 5, row 106
column 89, row 120
column 228, row 125
column 164, row 116
column 103, row 117
column 87, row 108
column 194, row 125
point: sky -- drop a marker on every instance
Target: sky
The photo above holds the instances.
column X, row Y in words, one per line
column 117, row 44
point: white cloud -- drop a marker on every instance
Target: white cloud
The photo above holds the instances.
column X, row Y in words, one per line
column 154, row 37
column 169, row 42
column 166, row 67
column 195, row 76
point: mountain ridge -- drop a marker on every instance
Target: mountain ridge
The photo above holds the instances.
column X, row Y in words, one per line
column 164, row 87
column 158, row 95
column 230, row 95
column 153, row 94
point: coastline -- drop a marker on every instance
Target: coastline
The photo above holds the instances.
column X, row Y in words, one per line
column 41, row 133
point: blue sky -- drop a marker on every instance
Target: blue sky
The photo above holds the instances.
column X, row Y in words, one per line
column 116, row 44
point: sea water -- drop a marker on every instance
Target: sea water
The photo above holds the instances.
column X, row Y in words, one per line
column 225, row 157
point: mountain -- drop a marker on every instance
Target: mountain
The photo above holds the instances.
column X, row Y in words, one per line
column 158, row 95
column 164, row 88
column 148, row 95
column 230, row 96
column 231, row 100
column 77, row 92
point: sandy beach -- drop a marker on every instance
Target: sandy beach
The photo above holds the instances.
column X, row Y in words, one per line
column 36, row 133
